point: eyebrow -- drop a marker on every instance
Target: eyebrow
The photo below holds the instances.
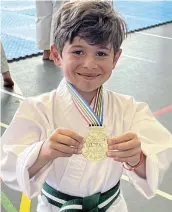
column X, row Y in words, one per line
column 104, row 47
column 80, row 46
column 77, row 46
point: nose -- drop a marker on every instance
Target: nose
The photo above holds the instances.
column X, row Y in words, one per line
column 89, row 63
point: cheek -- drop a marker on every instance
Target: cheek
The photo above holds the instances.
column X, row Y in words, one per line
column 108, row 67
column 69, row 69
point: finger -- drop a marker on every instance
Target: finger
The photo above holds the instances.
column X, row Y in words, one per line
column 124, row 154
column 122, row 138
column 63, row 139
column 71, row 134
column 66, row 149
column 55, row 154
column 125, row 137
column 135, row 143
column 61, row 154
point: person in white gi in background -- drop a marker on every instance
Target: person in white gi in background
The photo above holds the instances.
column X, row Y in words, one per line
column 41, row 149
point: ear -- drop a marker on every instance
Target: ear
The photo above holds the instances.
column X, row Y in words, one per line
column 116, row 58
column 55, row 55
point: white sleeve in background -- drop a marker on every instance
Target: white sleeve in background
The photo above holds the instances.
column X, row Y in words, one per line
column 156, row 144
column 20, row 146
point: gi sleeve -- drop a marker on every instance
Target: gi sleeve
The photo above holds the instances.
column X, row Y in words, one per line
column 20, row 146
column 156, row 144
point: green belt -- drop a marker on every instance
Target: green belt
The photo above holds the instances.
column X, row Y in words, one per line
column 98, row 202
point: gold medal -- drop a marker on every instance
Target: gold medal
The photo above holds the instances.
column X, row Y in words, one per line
column 95, row 146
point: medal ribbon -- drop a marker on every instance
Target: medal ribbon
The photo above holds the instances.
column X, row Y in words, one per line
column 93, row 117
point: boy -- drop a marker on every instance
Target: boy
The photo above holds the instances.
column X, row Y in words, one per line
column 73, row 143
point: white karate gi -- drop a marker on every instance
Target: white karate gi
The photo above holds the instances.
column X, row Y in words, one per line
column 37, row 117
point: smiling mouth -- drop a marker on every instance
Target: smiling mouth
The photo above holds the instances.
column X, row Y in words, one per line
column 89, row 75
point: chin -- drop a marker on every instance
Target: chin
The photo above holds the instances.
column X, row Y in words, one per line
column 87, row 88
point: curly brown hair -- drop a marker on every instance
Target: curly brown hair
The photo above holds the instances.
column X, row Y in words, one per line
column 93, row 20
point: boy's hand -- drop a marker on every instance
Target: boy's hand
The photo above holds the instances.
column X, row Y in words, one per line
column 62, row 143
column 125, row 148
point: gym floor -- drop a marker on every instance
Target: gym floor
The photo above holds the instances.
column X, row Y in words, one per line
column 143, row 71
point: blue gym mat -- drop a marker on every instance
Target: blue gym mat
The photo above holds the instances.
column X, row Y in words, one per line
column 18, row 22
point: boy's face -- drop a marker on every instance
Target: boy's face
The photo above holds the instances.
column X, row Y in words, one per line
column 85, row 66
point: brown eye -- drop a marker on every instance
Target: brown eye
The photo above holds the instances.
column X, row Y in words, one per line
column 78, row 52
column 101, row 54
